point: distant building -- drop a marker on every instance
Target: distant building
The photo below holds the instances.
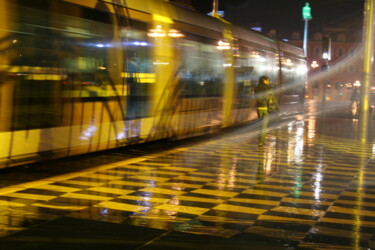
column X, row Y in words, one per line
column 345, row 67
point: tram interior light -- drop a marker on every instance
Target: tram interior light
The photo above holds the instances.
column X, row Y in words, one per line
column 221, row 45
column 160, row 32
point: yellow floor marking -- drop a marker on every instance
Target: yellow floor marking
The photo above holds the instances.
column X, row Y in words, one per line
column 215, row 192
column 130, row 183
column 291, row 181
column 254, row 201
column 351, row 211
column 150, row 178
column 321, row 195
column 183, row 209
column 31, row 196
column 120, row 206
column 198, row 199
column 58, row 188
column 103, row 177
column 144, row 198
column 162, row 172
column 75, row 208
column 362, row 195
column 350, row 222
column 338, row 173
column 6, row 204
column 179, row 185
column 302, row 211
column 83, row 183
column 86, row 197
column 283, row 219
column 162, row 191
column 10, row 190
column 118, row 191
column 240, row 209
column 127, row 162
column 339, row 232
column 226, row 185
column 155, row 164
column 121, row 173
column 264, row 192
column 242, row 180
column 205, row 174
column 275, row 187
column 304, row 201
column 359, row 203
column 192, row 178
column 340, row 185
column 279, row 233
column 138, row 168
column 198, row 151
column 180, row 169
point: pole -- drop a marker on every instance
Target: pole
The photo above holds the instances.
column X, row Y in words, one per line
column 368, row 45
column 215, row 7
column 305, row 38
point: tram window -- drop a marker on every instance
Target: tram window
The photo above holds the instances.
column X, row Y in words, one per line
column 96, row 15
column 202, row 69
column 38, row 4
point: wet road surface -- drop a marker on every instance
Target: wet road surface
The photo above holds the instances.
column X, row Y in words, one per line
column 312, row 186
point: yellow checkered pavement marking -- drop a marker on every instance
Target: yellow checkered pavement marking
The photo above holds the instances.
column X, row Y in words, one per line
column 283, row 219
column 161, row 191
column 264, row 192
column 180, row 169
column 183, row 209
column 302, row 211
column 144, row 198
column 215, row 192
column 86, row 197
column 5, row 204
column 59, row 207
column 192, row 178
column 304, row 201
column 240, row 209
column 59, row 188
column 120, row 206
column 254, row 201
column 31, row 196
column 131, row 183
column 198, row 199
column 351, row 211
column 118, row 191
column 153, row 178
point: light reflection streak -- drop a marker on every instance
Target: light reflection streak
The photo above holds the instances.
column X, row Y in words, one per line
column 317, row 184
column 228, row 170
column 88, row 133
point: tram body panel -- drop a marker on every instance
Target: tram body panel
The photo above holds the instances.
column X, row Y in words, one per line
column 85, row 76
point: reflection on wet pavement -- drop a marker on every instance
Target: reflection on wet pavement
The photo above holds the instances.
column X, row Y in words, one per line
column 312, row 184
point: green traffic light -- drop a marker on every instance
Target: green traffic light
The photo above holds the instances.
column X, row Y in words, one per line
column 306, row 12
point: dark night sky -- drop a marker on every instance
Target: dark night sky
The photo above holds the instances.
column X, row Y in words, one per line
column 286, row 15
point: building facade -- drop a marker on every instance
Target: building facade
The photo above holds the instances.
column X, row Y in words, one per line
column 338, row 73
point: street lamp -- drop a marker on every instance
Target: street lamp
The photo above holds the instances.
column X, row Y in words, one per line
column 306, row 14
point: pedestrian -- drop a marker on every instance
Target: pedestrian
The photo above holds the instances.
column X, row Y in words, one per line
column 266, row 103
column 354, row 97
